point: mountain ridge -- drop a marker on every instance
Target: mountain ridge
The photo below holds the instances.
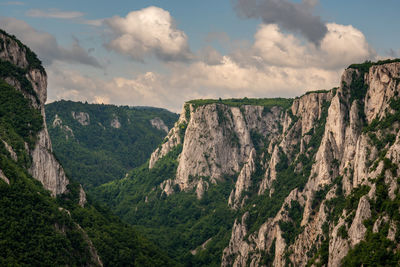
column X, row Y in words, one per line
column 294, row 172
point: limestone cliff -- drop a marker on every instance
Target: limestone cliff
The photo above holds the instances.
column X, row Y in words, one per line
column 324, row 159
column 216, row 141
column 33, row 84
column 345, row 153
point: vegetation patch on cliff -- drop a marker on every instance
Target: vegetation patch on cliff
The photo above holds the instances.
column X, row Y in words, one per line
column 364, row 67
column 17, row 118
column 8, row 70
column 285, row 103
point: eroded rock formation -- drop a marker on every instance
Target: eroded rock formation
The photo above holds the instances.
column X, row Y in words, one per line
column 334, row 144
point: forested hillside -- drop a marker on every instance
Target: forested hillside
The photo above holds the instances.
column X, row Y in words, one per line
column 179, row 223
column 99, row 143
column 45, row 218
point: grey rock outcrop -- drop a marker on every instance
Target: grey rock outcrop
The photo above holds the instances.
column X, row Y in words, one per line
column 4, row 177
column 159, row 124
column 11, row 51
column 173, row 139
column 82, row 117
column 357, row 229
column 201, row 187
column 82, row 196
column 57, row 122
column 92, row 250
column 383, row 85
column 115, row 123
column 10, row 150
column 243, row 181
column 38, row 79
column 167, row 187
column 202, row 247
column 236, row 246
column 45, row 167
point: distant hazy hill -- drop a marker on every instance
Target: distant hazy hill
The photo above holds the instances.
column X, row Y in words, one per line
column 100, row 143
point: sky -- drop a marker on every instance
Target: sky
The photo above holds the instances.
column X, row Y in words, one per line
column 163, row 53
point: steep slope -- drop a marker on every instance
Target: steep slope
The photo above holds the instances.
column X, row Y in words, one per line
column 351, row 187
column 306, row 181
column 34, row 229
column 191, row 218
column 22, row 70
column 100, row 143
column 45, row 219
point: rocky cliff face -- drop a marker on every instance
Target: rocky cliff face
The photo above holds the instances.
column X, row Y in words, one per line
column 33, row 84
column 216, row 142
column 325, row 166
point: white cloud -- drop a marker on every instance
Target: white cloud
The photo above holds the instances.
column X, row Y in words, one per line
column 144, row 89
column 277, row 48
column 150, row 31
column 185, row 82
column 341, row 46
column 277, row 64
column 46, row 45
column 344, row 45
column 231, row 79
column 54, row 13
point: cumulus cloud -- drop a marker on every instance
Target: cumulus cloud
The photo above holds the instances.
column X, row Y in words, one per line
column 277, row 64
column 143, row 89
column 342, row 45
column 297, row 17
column 230, row 79
column 46, row 45
column 150, row 31
column 54, row 13
column 198, row 80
